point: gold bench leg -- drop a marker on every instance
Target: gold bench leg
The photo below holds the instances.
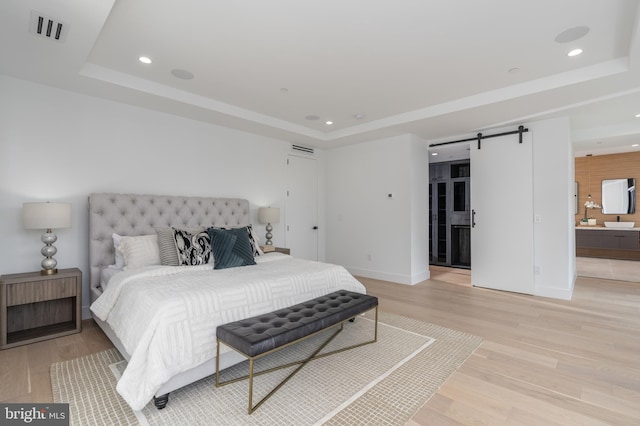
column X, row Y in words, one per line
column 302, row 363
column 251, row 407
column 217, row 362
column 286, row 379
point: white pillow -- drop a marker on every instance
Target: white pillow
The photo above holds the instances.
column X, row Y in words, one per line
column 140, row 251
column 117, row 239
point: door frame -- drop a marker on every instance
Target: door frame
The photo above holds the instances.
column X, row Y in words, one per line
column 288, row 205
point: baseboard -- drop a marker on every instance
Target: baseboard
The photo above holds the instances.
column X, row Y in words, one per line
column 554, row 293
column 418, row 278
column 385, row 276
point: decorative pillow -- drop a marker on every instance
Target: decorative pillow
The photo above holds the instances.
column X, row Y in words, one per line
column 140, row 251
column 253, row 239
column 167, row 244
column 231, row 248
column 117, row 239
column 192, row 249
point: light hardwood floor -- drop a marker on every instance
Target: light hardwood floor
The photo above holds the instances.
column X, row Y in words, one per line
column 24, row 370
column 543, row 361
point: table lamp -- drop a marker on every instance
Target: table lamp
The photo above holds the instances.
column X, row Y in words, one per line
column 269, row 215
column 45, row 215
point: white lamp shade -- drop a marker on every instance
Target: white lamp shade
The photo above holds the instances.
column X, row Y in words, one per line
column 46, row 215
column 269, row 215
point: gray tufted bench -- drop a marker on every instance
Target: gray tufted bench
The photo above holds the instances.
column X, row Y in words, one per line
column 264, row 334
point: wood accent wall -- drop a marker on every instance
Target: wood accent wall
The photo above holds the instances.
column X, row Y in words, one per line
column 593, row 170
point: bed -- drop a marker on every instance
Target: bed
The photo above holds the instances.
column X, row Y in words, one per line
column 162, row 317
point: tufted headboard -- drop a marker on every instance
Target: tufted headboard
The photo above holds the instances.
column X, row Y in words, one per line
column 135, row 214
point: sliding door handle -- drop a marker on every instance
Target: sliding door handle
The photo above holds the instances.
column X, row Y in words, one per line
column 473, row 218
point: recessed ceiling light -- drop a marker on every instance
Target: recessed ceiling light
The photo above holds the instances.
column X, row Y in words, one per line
column 637, row 115
column 634, row 145
column 328, row 123
column 434, row 153
column 312, row 117
column 182, row 74
column 575, row 52
column 144, row 60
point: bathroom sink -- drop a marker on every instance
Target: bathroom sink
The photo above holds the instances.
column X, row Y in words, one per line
column 619, row 224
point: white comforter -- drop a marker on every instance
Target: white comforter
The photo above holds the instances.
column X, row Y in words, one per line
column 166, row 317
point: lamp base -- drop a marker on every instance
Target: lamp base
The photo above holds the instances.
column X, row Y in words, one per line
column 269, row 235
column 48, row 251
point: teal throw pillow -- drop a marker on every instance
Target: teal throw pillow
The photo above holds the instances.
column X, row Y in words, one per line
column 230, row 248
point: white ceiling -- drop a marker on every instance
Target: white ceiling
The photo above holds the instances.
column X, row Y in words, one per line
column 435, row 68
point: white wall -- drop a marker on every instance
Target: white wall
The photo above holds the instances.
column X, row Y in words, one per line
column 61, row 146
column 419, row 232
column 553, row 202
column 554, row 266
column 369, row 233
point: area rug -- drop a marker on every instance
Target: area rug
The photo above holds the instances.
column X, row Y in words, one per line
column 382, row 383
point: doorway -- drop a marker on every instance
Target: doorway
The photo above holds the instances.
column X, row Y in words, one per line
column 450, row 214
column 301, row 221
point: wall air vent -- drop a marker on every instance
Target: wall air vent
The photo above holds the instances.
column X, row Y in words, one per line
column 301, row 148
column 42, row 25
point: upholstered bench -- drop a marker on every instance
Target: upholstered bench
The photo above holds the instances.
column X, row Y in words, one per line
column 264, row 334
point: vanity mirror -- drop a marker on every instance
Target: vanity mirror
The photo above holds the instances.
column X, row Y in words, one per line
column 619, row 196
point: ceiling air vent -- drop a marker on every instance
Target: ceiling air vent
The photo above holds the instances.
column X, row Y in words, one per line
column 45, row 26
column 301, row 148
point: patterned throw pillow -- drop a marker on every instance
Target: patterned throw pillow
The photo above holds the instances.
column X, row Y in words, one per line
column 254, row 239
column 167, row 243
column 193, row 249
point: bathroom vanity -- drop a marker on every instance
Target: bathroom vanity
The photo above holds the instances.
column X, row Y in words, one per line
column 618, row 238
column 611, row 243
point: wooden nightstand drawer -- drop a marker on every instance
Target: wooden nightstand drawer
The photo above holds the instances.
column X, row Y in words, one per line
column 38, row 291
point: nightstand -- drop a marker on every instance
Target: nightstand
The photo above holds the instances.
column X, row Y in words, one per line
column 271, row 249
column 35, row 307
